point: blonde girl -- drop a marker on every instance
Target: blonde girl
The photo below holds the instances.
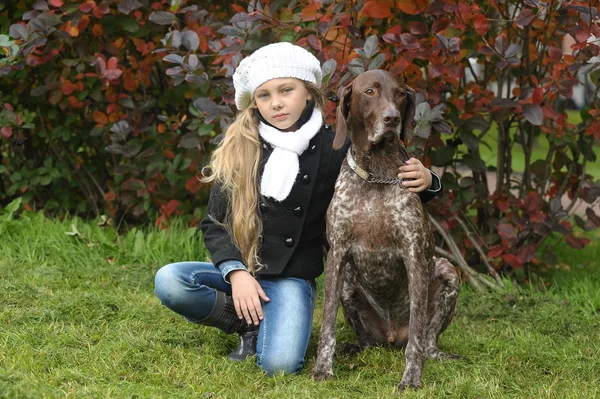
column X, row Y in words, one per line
column 274, row 175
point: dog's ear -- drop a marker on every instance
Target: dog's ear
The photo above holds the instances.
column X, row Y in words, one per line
column 343, row 110
column 409, row 113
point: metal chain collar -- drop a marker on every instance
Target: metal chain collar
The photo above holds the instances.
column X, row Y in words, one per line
column 368, row 177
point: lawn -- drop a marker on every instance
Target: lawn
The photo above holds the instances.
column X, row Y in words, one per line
column 78, row 319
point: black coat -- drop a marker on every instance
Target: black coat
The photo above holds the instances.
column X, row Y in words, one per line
column 294, row 229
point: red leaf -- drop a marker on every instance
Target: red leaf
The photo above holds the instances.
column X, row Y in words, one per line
column 56, row 3
column 133, row 184
column 100, row 117
column 538, row 96
column 577, row 243
column 506, row 231
column 314, row 42
column 67, row 88
column 193, row 184
column 110, row 196
column 170, row 208
column 524, row 18
column 6, row 132
column 160, row 221
column 481, row 23
column 537, row 217
column 531, row 201
column 494, row 252
column 418, row 28
column 512, row 260
column 55, row 97
column 100, row 65
column 441, row 24
column 526, row 254
column 503, row 205
column 555, row 53
column 399, row 66
column 237, row 8
column 87, row 6
column 412, row 7
column 112, row 74
column 112, row 63
column 501, row 43
column 377, row 9
column 309, row 13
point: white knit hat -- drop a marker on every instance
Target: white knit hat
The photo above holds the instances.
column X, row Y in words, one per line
column 278, row 60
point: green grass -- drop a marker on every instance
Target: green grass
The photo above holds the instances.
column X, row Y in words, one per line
column 78, row 319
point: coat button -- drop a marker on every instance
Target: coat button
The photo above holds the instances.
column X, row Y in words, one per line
column 289, row 242
column 312, row 149
column 327, row 126
column 263, row 207
column 305, row 179
column 298, row 211
column 266, row 147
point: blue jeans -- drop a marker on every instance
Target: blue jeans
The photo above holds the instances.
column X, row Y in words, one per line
column 188, row 288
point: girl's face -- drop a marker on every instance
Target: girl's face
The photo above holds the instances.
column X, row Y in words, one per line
column 281, row 101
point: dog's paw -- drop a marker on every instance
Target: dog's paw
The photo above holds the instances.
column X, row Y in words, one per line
column 404, row 385
column 319, row 374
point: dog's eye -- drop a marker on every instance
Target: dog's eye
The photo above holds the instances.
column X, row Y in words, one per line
column 369, row 91
column 401, row 94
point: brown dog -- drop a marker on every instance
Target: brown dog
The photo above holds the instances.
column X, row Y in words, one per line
column 380, row 263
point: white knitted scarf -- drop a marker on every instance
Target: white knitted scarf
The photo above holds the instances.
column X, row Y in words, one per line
column 282, row 167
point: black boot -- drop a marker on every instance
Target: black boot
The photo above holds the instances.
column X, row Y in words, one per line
column 223, row 316
column 247, row 345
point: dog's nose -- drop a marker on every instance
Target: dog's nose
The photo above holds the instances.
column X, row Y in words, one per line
column 391, row 117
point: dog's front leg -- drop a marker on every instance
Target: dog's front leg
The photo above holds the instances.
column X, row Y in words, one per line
column 323, row 368
column 419, row 271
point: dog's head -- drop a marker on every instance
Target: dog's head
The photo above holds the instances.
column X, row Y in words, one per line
column 376, row 106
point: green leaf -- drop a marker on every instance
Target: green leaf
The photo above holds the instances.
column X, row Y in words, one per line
column 470, row 140
column 371, row 46
column 189, row 140
column 185, row 164
column 328, row 69
column 132, row 148
column 162, row 17
column 443, row 157
column 129, row 25
column 356, row 66
column 74, row 232
column 377, row 61
column 190, row 40
column 533, row 113
column 14, row 205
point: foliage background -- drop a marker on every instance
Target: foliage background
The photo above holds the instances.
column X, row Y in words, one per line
column 112, row 107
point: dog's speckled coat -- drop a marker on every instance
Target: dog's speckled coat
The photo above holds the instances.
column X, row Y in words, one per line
column 381, row 265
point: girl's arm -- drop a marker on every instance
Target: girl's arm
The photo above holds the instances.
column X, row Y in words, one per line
column 216, row 238
column 245, row 290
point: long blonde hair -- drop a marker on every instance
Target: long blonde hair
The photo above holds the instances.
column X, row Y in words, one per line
column 234, row 164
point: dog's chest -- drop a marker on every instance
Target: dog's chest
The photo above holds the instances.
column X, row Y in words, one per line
column 373, row 218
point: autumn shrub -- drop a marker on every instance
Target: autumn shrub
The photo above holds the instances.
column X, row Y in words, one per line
column 127, row 98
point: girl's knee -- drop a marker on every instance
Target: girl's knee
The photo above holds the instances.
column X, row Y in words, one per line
column 277, row 365
column 166, row 285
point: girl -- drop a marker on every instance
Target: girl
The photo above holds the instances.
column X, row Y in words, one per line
column 274, row 175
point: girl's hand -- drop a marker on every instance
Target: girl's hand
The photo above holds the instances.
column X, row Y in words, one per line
column 246, row 294
column 420, row 175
